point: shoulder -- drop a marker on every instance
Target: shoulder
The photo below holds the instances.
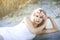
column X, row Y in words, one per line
column 26, row 19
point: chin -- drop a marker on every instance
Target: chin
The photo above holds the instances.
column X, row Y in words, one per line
column 38, row 22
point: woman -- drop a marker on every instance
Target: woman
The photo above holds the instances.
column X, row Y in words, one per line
column 29, row 27
column 37, row 23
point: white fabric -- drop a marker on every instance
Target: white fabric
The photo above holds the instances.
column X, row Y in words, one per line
column 19, row 32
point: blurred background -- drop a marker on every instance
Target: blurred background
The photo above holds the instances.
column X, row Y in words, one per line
column 13, row 11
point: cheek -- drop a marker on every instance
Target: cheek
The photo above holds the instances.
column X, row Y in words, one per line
column 36, row 19
column 41, row 20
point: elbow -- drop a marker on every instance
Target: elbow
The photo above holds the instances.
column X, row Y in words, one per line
column 56, row 29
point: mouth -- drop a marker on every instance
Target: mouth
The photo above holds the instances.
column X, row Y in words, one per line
column 37, row 21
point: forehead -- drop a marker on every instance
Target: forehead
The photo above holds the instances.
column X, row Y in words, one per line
column 39, row 13
column 36, row 12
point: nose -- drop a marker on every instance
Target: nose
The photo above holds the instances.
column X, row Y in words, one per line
column 38, row 19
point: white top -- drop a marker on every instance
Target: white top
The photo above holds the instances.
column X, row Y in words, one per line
column 19, row 32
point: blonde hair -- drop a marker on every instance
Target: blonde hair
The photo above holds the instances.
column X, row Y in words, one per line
column 32, row 15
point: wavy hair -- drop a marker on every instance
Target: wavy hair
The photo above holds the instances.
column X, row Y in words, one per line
column 32, row 15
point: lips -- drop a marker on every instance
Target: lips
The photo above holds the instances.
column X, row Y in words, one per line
column 37, row 21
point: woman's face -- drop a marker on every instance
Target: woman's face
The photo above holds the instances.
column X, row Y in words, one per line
column 39, row 17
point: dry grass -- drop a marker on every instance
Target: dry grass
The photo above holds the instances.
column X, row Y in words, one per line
column 7, row 6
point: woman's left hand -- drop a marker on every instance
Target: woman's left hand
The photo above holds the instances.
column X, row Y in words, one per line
column 45, row 17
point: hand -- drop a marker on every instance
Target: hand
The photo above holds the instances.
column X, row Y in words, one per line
column 44, row 16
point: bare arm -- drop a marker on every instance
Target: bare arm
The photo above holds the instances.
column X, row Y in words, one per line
column 34, row 30
column 54, row 29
